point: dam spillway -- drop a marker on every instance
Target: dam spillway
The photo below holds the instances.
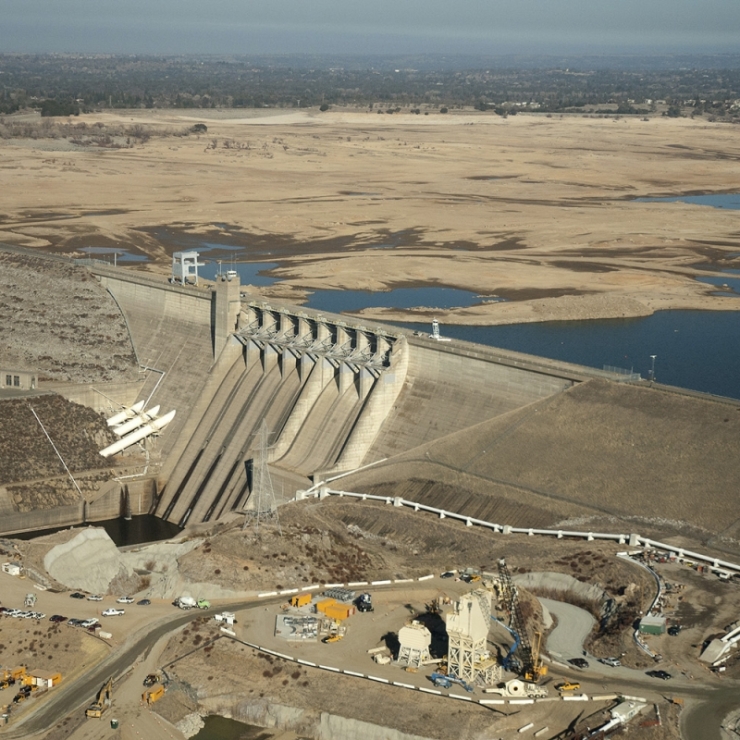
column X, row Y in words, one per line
column 335, row 393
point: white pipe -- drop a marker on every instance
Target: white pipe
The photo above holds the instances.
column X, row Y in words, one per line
column 138, row 435
column 137, row 421
column 120, row 417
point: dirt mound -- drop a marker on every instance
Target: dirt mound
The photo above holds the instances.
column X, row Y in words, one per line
column 89, row 561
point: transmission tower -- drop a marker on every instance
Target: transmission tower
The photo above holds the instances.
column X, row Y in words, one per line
column 263, row 494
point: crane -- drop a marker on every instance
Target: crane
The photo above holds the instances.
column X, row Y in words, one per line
column 527, row 663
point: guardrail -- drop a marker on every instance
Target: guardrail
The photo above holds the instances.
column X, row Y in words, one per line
column 321, row 490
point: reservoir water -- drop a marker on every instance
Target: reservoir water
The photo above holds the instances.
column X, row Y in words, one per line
column 699, row 350
column 222, row 728
column 729, row 201
column 138, row 530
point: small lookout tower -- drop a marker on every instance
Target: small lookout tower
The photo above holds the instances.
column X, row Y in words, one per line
column 185, row 268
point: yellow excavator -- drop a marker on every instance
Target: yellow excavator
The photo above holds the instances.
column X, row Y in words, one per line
column 102, row 701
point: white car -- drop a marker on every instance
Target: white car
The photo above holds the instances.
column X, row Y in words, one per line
column 113, row 612
column 94, row 597
column 89, row 623
column 125, row 600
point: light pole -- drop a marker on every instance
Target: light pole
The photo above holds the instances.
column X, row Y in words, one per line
column 652, row 368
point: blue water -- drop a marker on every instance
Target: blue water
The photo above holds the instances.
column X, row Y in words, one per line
column 107, row 254
column 718, row 200
column 138, row 530
column 732, row 283
column 699, row 350
column 337, row 301
column 249, row 272
column 221, row 728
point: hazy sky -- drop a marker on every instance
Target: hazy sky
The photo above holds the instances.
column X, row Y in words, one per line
column 373, row 26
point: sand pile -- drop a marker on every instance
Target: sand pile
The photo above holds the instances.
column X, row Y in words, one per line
column 89, row 561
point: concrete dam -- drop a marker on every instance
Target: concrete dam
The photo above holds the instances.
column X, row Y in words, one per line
column 334, row 394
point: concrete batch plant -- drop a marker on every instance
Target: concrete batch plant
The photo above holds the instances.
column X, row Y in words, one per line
column 467, row 630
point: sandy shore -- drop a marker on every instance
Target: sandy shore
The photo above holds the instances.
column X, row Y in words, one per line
column 537, row 211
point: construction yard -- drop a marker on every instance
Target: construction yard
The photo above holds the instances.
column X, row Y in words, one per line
column 336, row 540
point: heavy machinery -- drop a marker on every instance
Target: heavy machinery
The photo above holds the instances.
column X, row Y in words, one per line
column 152, row 695
column 102, row 701
column 527, row 662
column 335, row 637
column 445, row 681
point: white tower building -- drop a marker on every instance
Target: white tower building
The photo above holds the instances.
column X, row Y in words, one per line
column 468, row 657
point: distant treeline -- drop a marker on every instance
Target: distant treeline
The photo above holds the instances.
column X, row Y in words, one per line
column 68, row 84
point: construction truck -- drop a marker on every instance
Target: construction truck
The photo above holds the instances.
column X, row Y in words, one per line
column 185, row 602
column 152, row 695
column 11, row 676
column 102, row 701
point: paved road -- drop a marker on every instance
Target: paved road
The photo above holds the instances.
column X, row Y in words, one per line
column 573, row 627
column 80, row 693
column 701, row 722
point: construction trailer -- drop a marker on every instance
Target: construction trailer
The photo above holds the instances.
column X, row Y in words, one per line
column 102, row 701
column 652, row 625
column 44, row 679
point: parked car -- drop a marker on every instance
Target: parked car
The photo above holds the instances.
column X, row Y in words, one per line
column 77, row 595
column 674, row 629
column 89, row 622
column 74, row 622
column 94, row 597
column 125, row 600
column 144, row 602
column 663, row 675
column 579, row 662
column 57, row 618
column 448, row 574
column 113, row 612
column 613, row 662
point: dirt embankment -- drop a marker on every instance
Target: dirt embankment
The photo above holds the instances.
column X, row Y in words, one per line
column 30, row 468
column 56, row 319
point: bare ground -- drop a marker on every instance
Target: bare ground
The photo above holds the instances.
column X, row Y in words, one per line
column 535, row 210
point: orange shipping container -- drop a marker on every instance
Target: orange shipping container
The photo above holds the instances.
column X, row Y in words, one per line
column 339, row 611
column 300, row 600
column 322, row 606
